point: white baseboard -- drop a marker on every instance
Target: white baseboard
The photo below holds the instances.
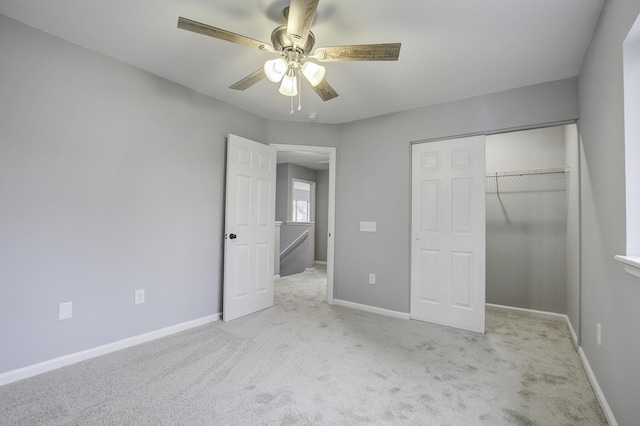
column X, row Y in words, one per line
column 608, row 413
column 63, row 361
column 574, row 335
column 527, row 312
column 320, row 262
column 372, row 309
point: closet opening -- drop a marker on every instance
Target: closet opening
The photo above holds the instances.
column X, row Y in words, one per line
column 532, row 222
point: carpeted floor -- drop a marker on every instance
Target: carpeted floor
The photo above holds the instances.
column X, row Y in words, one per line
column 305, row 362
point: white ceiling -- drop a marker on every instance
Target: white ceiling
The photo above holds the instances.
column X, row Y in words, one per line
column 310, row 160
column 451, row 49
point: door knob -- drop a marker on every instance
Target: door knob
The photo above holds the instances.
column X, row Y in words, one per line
column 233, row 236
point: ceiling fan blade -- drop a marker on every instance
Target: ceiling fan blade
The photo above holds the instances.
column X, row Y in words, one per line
column 301, row 13
column 324, row 89
column 362, row 52
column 249, row 80
column 208, row 30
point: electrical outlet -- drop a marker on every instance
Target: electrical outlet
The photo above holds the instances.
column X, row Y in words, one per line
column 139, row 296
column 372, row 278
column 65, row 311
column 599, row 335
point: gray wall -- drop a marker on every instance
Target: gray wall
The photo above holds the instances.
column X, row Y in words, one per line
column 572, row 157
column 529, row 149
column 609, row 295
column 373, row 180
column 311, row 134
column 282, row 192
column 526, row 225
column 111, row 180
column 322, row 214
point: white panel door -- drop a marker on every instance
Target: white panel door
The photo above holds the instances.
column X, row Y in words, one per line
column 249, row 227
column 448, row 233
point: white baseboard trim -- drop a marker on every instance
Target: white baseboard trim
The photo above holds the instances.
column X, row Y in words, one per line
column 372, row 309
column 320, row 262
column 63, row 361
column 608, row 413
column 527, row 312
column 574, row 335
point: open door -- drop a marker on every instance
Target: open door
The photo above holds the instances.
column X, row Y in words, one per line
column 448, row 233
column 249, row 227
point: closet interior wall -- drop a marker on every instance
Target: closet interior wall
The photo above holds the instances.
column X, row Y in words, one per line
column 526, row 213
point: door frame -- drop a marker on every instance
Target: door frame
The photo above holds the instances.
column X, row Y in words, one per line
column 331, row 217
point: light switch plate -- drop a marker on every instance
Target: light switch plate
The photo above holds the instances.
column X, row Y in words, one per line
column 65, row 311
column 367, row 227
column 139, row 298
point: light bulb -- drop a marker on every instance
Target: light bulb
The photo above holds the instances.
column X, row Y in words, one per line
column 289, row 86
column 275, row 69
column 313, row 72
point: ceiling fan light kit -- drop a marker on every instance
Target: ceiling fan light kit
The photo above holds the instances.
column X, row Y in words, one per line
column 275, row 69
column 314, row 73
column 289, row 86
column 294, row 44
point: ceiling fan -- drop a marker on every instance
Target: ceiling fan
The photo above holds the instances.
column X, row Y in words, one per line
column 294, row 44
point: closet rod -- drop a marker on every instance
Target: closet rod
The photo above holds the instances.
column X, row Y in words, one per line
column 527, row 172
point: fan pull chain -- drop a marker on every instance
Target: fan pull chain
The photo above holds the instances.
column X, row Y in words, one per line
column 299, row 93
column 291, row 113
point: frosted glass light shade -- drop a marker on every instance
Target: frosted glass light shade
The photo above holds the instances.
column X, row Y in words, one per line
column 289, row 86
column 275, row 69
column 313, row 72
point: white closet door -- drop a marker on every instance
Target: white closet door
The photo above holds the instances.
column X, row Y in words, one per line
column 448, row 233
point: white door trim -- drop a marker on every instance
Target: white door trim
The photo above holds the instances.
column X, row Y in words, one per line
column 332, row 205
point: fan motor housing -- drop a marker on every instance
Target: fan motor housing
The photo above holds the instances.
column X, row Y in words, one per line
column 281, row 41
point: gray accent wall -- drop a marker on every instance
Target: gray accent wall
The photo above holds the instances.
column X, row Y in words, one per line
column 609, row 296
column 322, row 214
column 282, row 192
column 111, row 180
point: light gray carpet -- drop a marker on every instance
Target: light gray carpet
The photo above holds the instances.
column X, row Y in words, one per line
column 305, row 362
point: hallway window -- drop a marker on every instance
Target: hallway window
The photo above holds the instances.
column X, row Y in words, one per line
column 302, row 207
